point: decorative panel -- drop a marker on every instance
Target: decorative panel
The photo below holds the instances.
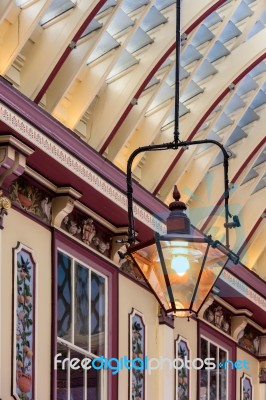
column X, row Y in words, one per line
column 182, row 351
column 248, row 338
column 218, row 316
column 24, row 323
column 246, row 388
column 88, row 231
column 31, row 200
column 137, row 350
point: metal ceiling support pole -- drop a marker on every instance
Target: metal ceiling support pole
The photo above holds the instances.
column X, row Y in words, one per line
column 175, row 145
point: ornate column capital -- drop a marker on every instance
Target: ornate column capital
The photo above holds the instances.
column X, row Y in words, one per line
column 5, row 204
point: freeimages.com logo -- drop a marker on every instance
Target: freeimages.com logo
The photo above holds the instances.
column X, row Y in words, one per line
column 145, row 364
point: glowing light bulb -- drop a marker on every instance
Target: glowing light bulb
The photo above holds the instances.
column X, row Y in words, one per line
column 180, row 265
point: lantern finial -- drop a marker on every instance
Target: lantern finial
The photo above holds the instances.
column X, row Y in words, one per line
column 177, row 204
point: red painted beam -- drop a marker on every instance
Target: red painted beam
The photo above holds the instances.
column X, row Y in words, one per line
column 201, row 121
column 153, row 71
column 68, row 51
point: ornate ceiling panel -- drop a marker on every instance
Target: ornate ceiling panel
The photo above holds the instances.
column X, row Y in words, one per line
column 106, row 70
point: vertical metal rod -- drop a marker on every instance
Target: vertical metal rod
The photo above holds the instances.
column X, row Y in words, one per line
column 177, row 66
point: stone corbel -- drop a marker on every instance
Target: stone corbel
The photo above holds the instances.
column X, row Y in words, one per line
column 63, row 204
column 262, row 375
column 166, row 319
column 206, row 305
column 5, row 204
column 238, row 324
column 13, row 156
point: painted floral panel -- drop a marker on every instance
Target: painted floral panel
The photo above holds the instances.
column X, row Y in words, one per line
column 137, row 350
column 246, row 388
column 182, row 374
column 24, row 324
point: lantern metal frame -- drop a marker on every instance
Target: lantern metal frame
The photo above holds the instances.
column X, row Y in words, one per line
column 174, row 145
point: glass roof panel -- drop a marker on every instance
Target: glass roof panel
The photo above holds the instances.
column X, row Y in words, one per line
column 108, row 4
column 261, row 159
column 152, row 82
column 261, row 185
column 153, row 19
column 236, row 135
column 120, row 22
column 183, row 74
column 250, row 175
column 56, row 8
column 139, row 40
column 229, row 32
column 106, row 44
column 259, row 69
column 217, row 51
column 126, row 60
column 94, row 25
column 165, row 93
column 171, row 117
column 128, row 5
column 189, row 55
column 191, row 91
column 259, row 100
column 162, row 4
column 234, row 104
column 205, row 69
column 212, row 19
column 248, row 117
column 246, row 85
column 222, row 122
column 202, row 35
column 243, row 11
column 259, row 25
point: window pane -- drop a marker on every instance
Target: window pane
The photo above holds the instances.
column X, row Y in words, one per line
column 62, row 374
column 203, row 385
column 81, row 306
column 64, row 314
column 222, row 376
column 213, row 373
column 93, row 385
column 76, row 379
column 97, row 314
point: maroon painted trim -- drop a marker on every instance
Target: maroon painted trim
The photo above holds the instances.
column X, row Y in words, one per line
column 227, row 344
column 152, row 73
column 68, row 51
column 241, row 169
column 68, row 140
column 110, row 271
column 203, row 118
column 250, row 235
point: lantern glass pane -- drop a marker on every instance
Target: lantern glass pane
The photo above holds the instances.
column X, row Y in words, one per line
column 180, row 270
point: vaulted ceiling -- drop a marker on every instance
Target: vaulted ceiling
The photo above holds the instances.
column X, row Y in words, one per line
column 106, row 70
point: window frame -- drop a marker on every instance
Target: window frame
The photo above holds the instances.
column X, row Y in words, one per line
column 101, row 266
column 220, row 340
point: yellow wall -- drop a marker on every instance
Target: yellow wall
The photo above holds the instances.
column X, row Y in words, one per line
column 188, row 330
column 18, row 228
column 132, row 295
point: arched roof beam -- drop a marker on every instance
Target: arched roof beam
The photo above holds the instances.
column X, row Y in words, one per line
column 230, row 72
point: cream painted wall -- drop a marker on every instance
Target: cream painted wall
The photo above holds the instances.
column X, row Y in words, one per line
column 253, row 373
column 132, row 295
column 18, row 228
column 188, row 330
